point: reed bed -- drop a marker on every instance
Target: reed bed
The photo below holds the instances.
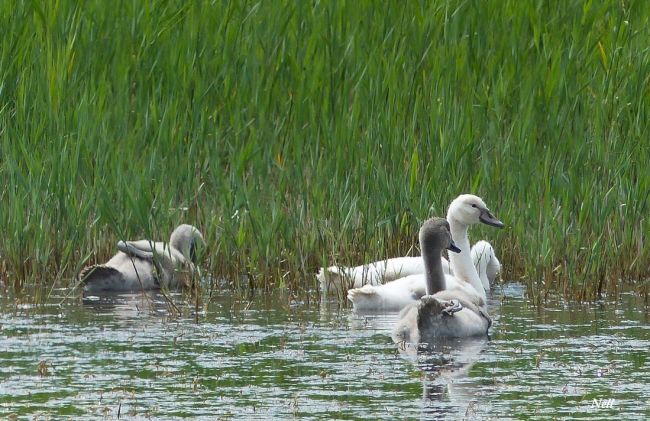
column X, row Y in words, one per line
column 297, row 134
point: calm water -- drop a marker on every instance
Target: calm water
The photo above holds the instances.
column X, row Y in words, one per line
column 128, row 355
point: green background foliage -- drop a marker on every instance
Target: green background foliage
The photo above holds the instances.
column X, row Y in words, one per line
column 296, row 134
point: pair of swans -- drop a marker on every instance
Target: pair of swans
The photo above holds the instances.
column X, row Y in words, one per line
column 145, row 264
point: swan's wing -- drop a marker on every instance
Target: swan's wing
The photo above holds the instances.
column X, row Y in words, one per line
column 141, row 249
column 121, row 273
column 103, row 278
column 468, row 300
column 453, row 284
column 163, row 253
column 399, row 267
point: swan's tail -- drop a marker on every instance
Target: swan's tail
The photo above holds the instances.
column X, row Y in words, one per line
column 365, row 298
column 381, row 297
column 100, row 278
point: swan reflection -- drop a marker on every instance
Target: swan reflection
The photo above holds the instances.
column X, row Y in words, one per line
column 444, row 364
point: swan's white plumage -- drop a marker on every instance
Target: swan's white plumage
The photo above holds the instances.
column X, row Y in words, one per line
column 395, row 268
column 376, row 273
column 486, row 262
column 463, row 211
column 397, row 294
column 335, row 277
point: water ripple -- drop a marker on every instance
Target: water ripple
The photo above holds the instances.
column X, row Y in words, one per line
column 272, row 360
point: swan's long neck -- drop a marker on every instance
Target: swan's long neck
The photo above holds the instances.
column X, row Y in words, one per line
column 433, row 269
column 461, row 263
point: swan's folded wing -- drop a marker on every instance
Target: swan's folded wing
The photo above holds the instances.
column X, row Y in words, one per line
column 145, row 245
column 471, row 301
column 414, row 284
column 142, row 249
column 163, row 253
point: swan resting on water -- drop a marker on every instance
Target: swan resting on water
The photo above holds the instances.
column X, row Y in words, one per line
column 464, row 211
column 145, row 264
column 442, row 313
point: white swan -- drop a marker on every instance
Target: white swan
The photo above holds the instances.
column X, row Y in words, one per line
column 463, row 211
column 342, row 278
column 335, row 277
column 397, row 294
column 442, row 313
column 486, row 263
column 144, row 264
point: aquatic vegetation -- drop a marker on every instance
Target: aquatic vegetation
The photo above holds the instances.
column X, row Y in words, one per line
column 296, row 134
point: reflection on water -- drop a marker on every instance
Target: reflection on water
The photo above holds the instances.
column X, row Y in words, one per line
column 140, row 356
column 129, row 306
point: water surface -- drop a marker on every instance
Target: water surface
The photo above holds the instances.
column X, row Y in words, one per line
column 273, row 357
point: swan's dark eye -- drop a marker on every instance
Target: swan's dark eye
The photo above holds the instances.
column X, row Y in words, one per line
column 474, row 205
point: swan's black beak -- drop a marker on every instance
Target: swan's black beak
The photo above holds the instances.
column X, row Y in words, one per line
column 487, row 218
column 453, row 247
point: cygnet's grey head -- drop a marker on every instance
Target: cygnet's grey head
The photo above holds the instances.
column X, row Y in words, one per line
column 435, row 235
column 469, row 209
column 185, row 239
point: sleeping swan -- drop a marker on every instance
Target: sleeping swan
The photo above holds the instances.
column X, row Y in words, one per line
column 375, row 273
column 442, row 313
column 144, row 264
column 463, row 212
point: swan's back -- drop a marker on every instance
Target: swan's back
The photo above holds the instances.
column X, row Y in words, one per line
column 120, row 273
column 340, row 278
column 392, row 296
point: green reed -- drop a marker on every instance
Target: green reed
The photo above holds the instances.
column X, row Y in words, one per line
column 299, row 134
